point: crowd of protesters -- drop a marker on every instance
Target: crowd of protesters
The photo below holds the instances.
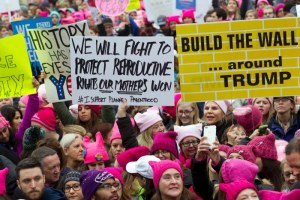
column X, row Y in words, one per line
column 99, row 152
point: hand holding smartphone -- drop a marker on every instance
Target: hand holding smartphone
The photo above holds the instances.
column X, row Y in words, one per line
column 210, row 132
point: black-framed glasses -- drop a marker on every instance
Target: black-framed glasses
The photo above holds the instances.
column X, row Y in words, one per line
column 74, row 187
column 163, row 152
column 108, row 186
column 185, row 112
column 188, row 143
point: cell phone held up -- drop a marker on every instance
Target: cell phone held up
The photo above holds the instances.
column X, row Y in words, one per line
column 210, row 132
column 262, row 129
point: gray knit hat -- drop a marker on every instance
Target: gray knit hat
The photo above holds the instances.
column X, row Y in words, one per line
column 72, row 176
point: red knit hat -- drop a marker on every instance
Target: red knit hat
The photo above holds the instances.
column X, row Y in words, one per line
column 264, row 146
column 160, row 167
column 94, row 151
column 171, row 110
column 116, row 172
column 233, row 189
column 132, row 154
column 248, row 117
column 165, row 141
column 95, row 108
column 46, row 118
column 243, row 150
column 271, row 195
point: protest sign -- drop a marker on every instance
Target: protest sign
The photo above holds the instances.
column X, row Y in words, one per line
column 185, row 4
column 107, row 69
column 9, row 5
column 111, row 7
column 133, row 5
column 241, row 59
column 52, row 47
column 15, row 71
column 154, row 8
column 21, row 27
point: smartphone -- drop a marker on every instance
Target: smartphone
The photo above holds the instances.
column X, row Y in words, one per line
column 262, row 129
column 210, row 132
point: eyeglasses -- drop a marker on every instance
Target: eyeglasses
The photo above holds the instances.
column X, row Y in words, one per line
column 3, row 130
column 108, row 186
column 74, row 187
column 163, row 152
column 188, row 143
column 186, row 112
column 283, row 99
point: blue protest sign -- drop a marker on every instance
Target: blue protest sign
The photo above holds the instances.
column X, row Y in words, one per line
column 185, row 4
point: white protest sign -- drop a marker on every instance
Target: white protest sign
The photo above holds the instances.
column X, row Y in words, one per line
column 107, row 69
column 154, row 8
column 52, row 47
column 9, row 5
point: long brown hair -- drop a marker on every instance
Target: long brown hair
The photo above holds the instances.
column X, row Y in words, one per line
column 185, row 195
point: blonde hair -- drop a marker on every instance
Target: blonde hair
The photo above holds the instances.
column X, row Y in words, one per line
column 73, row 128
column 194, row 106
column 145, row 138
column 252, row 11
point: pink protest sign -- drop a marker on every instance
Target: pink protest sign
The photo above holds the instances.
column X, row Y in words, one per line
column 111, row 7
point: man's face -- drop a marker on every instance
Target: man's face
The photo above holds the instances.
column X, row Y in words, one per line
column 31, row 183
column 108, row 30
column 51, row 167
column 294, row 162
column 108, row 193
column 268, row 13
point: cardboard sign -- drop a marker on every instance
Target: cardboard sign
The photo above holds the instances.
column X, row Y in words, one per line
column 133, row 5
column 240, row 59
column 111, row 7
column 21, row 27
column 15, row 70
column 52, row 47
column 107, row 69
column 9, row 5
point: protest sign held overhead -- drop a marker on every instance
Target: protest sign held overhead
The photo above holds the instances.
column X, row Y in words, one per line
column 242, row 59
column 52, row 47
column 21, row 27
column 111, row 7
column 15, row 70
column 107, row 69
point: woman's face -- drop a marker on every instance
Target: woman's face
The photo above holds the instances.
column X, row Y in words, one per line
column 96, row 165
column 250, row 16
column 54, row 20
column 289, row 178
column 158, row 127
column 17, row 120
column 4, row 135
column 185, row 113
column 235, row 135
column 73, row 190
column 22, row 107
column 84, row 113
column 173, row 26
column 236, row 156
column 162, row 154
column 188, row 20
column 263, row 105
column 189, row 146
column 75, row 150
column 283, row 105
column 280, row 13
column 232, row 6
column 213, row 113
column 170, row 184
column 247, row 194
column 116, row 147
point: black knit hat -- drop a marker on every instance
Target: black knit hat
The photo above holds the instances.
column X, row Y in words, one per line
column 31, row 136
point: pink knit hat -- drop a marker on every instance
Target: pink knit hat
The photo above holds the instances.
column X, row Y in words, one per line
column 264, row 146
column 74, row 110
column 271, row 195
column 235, row 169
column 160, row 167
column 189, row 130
column 174, row 18
column 78, row 16
column 132, row 154
column 243, row 150
column 165, row 141
column 262, row 1
column 222, row 104
column 171, row 110
column 24, row 100
column 116, row 172
column 3, row 122
column 224, row 148
column 233, row 189
column 248, row 117
column 188, row 13
column 280, row 148
column 147, row 119
column 94, row 151
column 278, row 7
column 45, row 117
column 3, row 174
column 115, row 131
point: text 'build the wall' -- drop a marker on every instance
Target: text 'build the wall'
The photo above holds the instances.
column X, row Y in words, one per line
column 107, row 69
column 241, row 59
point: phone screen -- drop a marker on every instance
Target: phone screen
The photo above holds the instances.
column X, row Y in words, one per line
column 210, row 133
